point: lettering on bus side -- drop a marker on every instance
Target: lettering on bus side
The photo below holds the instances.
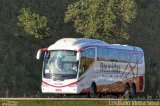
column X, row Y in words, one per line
column 108, row 68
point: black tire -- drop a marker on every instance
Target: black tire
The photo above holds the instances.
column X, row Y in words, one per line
column 59, row 95
column 132, row 92
column 92, row 91
column 126, row 94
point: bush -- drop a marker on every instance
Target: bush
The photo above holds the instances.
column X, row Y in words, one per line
column 33, row 24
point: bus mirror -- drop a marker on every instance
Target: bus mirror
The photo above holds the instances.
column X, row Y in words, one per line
column 78, row 56
column 38, row 54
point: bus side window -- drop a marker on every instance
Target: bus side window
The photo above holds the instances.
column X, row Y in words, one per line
column 123, row 56
column 102, row 54
column 87, row 59
column 140, row 58
column 132, row 56
column 82, row 62
column 113, row 55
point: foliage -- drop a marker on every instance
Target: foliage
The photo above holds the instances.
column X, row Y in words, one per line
column 144, row 32
column 21, row 72
column 152, row 78
column 102, row 19
column 33, row 24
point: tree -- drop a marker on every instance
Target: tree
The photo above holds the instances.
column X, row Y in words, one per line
column 33, row 24
column 102, row 19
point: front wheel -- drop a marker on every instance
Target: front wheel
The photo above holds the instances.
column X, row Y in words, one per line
column 59, row 95
column 92, row 91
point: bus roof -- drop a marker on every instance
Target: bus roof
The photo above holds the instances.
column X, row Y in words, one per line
column 79, row 43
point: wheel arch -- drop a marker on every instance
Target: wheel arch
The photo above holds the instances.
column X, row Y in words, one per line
column 94, row 84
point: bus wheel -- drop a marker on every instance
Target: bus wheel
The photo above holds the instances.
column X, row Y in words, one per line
column 126, row 94
column 59, row 95
column 132, row 91
column 92, row 91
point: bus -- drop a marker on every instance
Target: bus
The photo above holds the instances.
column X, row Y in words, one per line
column 90, row 66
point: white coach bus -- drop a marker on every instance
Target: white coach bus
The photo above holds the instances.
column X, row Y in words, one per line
column 80, row 65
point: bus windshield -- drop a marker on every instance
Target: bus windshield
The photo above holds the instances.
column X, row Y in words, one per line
column 60, row 63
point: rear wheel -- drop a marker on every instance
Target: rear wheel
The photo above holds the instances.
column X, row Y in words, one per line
column 132, row 91
column 126, row 94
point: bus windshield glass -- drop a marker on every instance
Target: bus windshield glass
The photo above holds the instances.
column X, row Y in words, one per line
column 61, row 63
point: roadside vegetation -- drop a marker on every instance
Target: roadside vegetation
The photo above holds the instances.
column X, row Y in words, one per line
column 136, row 23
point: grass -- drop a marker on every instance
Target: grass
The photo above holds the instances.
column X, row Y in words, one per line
column 79, row 103
column 51, row 103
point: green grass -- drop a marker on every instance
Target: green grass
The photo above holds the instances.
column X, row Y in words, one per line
column 79, row 103
column 51, row 103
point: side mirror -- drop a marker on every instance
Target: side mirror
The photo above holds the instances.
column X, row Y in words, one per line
column 78, row 56
column 40, row 52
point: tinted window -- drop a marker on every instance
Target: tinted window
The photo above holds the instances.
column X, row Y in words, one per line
column 136, row 57
column 102, row 54
column 87, row 59
column 113, row 55
column 132, row 56
column 123, row 56
column 140, row 58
